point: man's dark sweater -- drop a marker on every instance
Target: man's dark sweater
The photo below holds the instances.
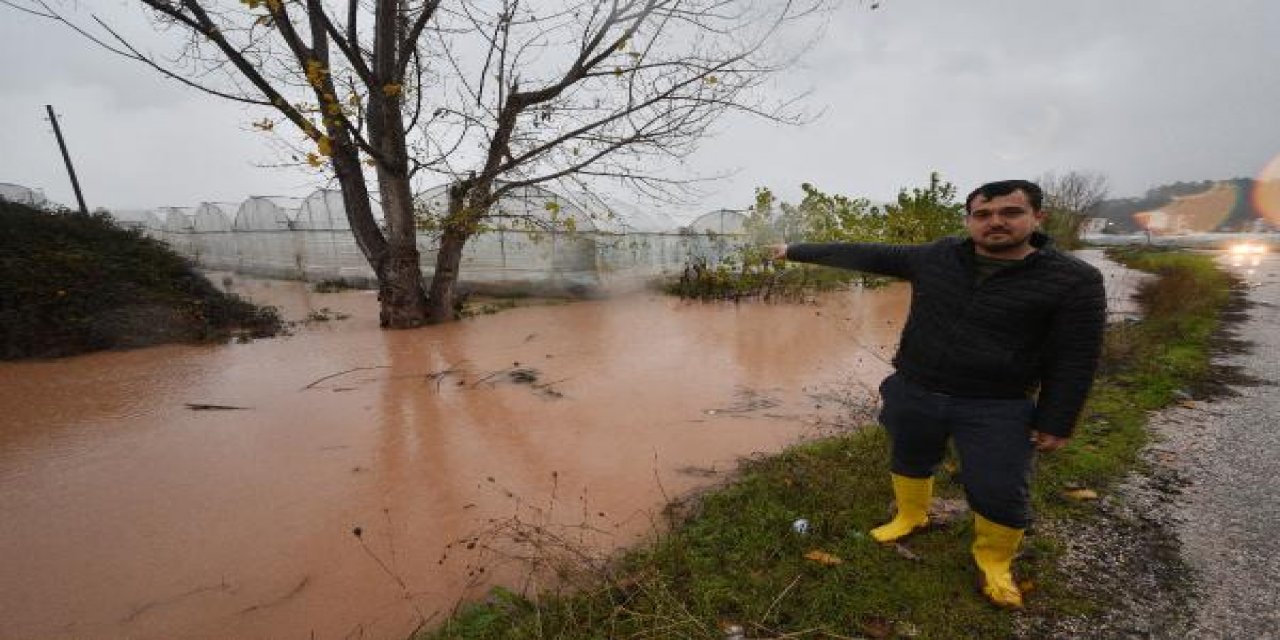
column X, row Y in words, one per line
column 1037, row 322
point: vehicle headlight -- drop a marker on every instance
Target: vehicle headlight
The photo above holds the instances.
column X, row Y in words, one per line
column 1247, row 248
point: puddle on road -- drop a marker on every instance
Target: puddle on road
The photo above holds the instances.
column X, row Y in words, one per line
column 129, row 514
column 1121, row 284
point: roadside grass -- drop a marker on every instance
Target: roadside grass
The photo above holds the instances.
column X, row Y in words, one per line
column 734, row 558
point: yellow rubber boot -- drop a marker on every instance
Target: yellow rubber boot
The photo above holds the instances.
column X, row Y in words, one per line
column 912, row 496
column 994, row 546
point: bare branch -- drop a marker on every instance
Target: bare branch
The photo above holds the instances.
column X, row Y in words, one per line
column 51, row 16
column 415, row 31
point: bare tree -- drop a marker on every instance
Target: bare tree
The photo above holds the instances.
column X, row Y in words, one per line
column 569, row 91
column 488, row 96
column 1070, row 199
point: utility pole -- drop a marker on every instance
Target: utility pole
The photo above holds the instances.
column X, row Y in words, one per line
column 66, row 157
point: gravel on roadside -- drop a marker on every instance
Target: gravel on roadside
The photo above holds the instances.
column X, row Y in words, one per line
column 1186, row 547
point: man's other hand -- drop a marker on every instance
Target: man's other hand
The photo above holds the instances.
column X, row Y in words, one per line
column 777, row 251
column 1046, row 442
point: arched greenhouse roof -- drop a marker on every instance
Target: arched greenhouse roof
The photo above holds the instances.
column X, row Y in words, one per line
column 531, row 203
column 214, row 216
column 323, row 209
column 721, row 221
column 617, row 216
column 141, row 218
column 266, row 213
column 180, row 219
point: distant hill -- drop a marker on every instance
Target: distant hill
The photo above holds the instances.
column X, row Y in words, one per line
column 1209, row 205
column 71, row 283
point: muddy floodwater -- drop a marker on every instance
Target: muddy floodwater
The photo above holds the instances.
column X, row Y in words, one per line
column 215, row 491
column 129, row 513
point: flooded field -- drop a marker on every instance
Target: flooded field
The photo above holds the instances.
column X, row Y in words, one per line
column 216, row 491
column 138, row 503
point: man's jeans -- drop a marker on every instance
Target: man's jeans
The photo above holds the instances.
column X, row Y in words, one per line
column 992, row 437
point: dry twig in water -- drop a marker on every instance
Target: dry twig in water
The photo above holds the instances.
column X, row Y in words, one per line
column 342, row 373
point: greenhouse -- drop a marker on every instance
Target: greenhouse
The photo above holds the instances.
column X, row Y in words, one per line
column 328, row 247
column 528, row 245
column 610, row 215
column 179, row 228
column 264, row 236
column 632, row 242
column 215, row 244
column 23, row 195
column 523, row 208
column 527, row 242
column 143, row 220
column 720, row 222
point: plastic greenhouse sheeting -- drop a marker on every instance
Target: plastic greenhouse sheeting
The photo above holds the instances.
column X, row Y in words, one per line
column 527, row 241
column 263, row 231
column 144, row 220
column 22, row 195
column 178, row 228
column 722, row 221
column 611, row 215
column 214, row 242
column 528, row 207
column 323, row 210
column 328, row 247
column 310, row 239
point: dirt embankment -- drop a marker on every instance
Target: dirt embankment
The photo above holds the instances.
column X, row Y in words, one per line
column 71, row 283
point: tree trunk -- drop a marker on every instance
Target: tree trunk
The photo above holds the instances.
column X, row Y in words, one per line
column 444, row 282
column 400, row 289
column 404, row 305
column 394, row 258
column 359, row 208
column 404, row 301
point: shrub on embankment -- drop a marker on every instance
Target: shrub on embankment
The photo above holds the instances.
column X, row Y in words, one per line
column 736, row 559
column 71, row 283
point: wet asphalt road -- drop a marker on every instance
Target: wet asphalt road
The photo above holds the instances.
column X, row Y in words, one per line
column 1189, row 545
column 1229, row 515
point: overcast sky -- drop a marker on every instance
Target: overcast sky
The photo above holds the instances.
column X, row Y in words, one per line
column 1144, row 91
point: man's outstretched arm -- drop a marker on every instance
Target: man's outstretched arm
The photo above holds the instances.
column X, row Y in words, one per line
column 884, row 259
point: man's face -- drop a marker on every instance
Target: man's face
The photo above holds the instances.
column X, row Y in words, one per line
column 1003, row 224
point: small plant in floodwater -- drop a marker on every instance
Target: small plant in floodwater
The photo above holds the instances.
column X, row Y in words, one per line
column 550, row 549
column 389, row 569
column 518, row 374
column 332, row 285
column 752, row 277
column 487, row 308
column 325, row 314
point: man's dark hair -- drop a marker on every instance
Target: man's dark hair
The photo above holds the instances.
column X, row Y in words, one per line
column 1005, row 187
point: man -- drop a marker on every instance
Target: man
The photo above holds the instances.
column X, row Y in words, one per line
column 993, row 318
